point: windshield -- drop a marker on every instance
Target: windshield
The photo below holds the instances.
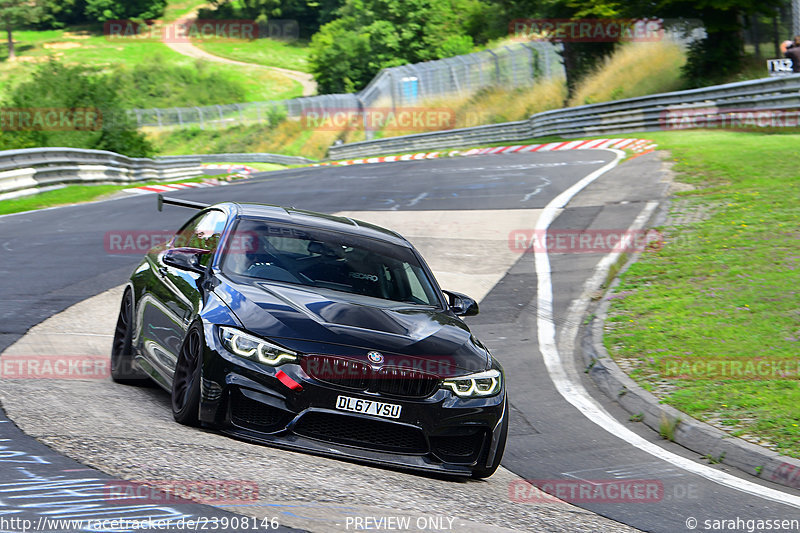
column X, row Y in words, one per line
column 327, row 259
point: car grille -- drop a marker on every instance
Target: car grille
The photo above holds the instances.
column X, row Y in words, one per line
column 362, row 432
column 338, row 371
column 359, row 376
column 252, row 414
column 459, row 448
column 402, row 382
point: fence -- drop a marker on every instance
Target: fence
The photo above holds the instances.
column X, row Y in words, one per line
column 26, row 171
column 405, row 85
column 647, row 113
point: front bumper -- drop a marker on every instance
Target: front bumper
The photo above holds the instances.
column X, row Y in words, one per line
column 441, row 433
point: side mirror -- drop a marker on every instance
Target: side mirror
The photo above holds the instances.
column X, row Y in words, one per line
column 461, row 304
column 185, row 259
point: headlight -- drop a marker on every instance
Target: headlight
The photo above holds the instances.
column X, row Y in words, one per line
column 478, row 385
column 253, row 348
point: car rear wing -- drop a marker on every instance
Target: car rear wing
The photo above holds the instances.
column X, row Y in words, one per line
column 179, row 203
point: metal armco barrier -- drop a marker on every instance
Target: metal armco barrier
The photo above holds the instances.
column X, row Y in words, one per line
column 242, row 158
column 646, row 113
column 25, row 171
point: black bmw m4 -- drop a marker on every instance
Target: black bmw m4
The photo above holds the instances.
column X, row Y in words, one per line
column 315, row 333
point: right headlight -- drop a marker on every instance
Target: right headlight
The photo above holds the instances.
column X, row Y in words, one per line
column 250, row 347
column 478, row 385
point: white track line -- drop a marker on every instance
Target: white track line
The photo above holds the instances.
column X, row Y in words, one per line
column 573, row 390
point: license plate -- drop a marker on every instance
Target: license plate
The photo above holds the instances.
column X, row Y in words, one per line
column 368, row 407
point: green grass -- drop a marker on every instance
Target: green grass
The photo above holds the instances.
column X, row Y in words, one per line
column 724, row 288
column 71, row 194
column 76, row 194
column 88, row 46
column 292, row 55
column 261, row 167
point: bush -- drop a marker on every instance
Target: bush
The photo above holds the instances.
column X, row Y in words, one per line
column 54, row 86
column 276, row 115
column 160, row 84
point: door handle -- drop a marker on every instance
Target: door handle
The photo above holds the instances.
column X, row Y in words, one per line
column 163, row 271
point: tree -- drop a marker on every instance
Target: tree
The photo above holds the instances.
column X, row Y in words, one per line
column 716, row 57
column 373, row 34
column 720, row 54
column 103, row 10
column 13, row 15
column 309, row 14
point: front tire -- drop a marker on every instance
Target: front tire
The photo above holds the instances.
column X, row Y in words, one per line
column 481, row 472
column 123, row 367
column 186, row 380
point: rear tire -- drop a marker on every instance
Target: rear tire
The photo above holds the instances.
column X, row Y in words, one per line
column 480, row 472
column 186, row 380
column 123, row 367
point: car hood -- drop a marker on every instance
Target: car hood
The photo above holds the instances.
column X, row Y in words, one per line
column 328, row 322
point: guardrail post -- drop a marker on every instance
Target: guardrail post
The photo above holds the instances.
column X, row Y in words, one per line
column 496, row 66
column 200, row 115
column 393, row 90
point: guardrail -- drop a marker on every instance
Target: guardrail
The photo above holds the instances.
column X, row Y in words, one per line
column 242, row 158
column 29, row 170
column 646, row 113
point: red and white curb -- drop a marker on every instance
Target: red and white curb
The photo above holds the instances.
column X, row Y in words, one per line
column 168, row 187
column 233, row 171
column 636, row 145
column 386, row 159
column 236, row 170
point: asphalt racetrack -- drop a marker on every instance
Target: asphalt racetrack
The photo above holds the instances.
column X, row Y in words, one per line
column 464, row 215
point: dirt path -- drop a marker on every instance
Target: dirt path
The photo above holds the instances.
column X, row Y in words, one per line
column 190, row 50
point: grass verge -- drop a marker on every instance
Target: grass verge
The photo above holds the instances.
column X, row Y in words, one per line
column 723, row 290
column 88, row 46
column 267, row 52
column 72, row 194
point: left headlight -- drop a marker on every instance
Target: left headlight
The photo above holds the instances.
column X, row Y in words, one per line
column 253, row 348
column 478, row 385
